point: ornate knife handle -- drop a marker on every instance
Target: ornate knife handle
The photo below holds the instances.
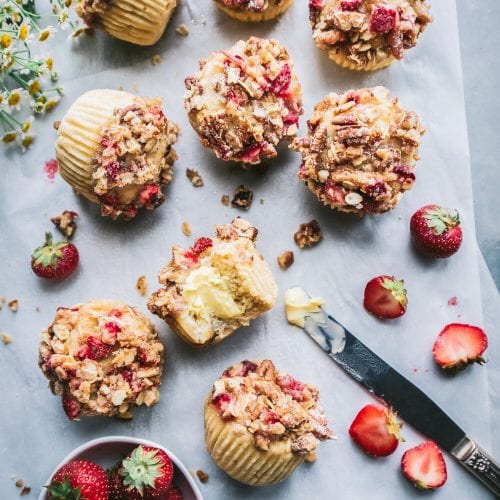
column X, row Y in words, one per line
column 479, row 463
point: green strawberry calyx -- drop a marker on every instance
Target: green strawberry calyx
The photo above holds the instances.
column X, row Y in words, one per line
column 141, row 468
column 397, row 288
column 64, row 490
column 441, row 220
column 49, row 253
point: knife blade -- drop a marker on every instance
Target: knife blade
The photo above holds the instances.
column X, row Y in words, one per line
column 411, row 403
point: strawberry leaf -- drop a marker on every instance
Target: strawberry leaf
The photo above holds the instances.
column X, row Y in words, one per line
column 440, row 220
column 64, row 490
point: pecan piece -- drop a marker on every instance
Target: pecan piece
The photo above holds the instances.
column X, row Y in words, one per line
column 285, row 260
column 65, row 222
column 308, row 234
column 242, row 198
column 194, row 177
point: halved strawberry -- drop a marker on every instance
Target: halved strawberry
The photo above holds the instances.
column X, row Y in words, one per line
column 458, row 345
column 377, row 430
column 425, row 466
column 385, row 297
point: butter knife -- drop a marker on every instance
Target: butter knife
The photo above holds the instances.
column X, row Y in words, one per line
column 411, row 404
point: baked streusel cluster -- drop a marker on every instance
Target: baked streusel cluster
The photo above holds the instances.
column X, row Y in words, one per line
column 251, row 5
column 271, row 405
column 102, row 358
column 360, row 151
column 245, row 100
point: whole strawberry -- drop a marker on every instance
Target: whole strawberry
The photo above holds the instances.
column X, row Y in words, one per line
column 385, row 297
column 79, row 480
column 436, row 232
column 54, row 261
column 145, row 473
column 173, row 493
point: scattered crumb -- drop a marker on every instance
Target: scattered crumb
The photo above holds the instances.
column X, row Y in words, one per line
column 2, row 302
column 50, row 168
column 242, row 198
column 156, row 59
column 415, row 370
column 311, row 457
column 225, row 200
column 308, row 234
column 13, row 305
column 202, row 476
column 453, row 302
column 37, row 308
column 25, row 491
column 262, row 201
column 142, row 285
column 19, row 483
column 6, row 339
column 65, row 222
column 194, row 177
column 56, row 124
column 285, row 260
column 186, row 228
column 182, row 30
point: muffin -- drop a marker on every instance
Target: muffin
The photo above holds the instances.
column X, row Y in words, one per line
column 116, row 150
column 367, row 34
column 261, row 424
column 253, row 10
column 141, row 22
column 216, row 286
column 102, row 358
column 245, row 100
column 360, row 151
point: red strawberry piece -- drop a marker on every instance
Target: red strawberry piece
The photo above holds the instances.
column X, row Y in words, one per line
column 151, row 196
column 54, row 261
column 241, row 369
column 112, row 327
column 425, row 466
column 350, row 5
column 376, row 430
column 173, row 494
column 335, row 193
column 221, row 401
column 71, row 407
column 291, row 386
column 436, row 232
column 146, row 473
column 96, row 349
column 79, row 479
column 200, row 245
column 383, row 19
column 281, row 84
column 251, row 153
column 269, row 417
column 459, row 345
column 385, row 297
column 316, row 4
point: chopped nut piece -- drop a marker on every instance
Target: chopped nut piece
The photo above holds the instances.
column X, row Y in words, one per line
column 262, row 201
column 13, row 305
column 242, row 197
column 19, row 483
column 194, row 177
column 25, row 491
column 56, row 124
column 308, row 234
column 156, row 59
column 65, row 222
column 142, row 285
column 182, row 30
column 186, row 228
column 6, row 339
column 225, row 200
column 37, row 308
column 202, row 476
column 285, row 260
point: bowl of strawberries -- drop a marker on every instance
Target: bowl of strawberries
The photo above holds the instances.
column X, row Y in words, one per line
column 121, row 468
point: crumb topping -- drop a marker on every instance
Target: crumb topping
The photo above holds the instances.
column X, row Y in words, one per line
column 367, row 31
column 102, row 358
column 271, row 405
column 65, row 222
column 245, row 100
column 91, row 10
column 360, row 151
column 135, row 159
column 251, row 5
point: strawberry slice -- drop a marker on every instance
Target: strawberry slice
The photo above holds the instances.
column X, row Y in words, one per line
column 425, row 466
column 376, row 430
column 458, row 345
column 385, row 297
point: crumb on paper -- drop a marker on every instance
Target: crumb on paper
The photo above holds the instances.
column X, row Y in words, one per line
column 242, row 197
column 225, row 200
column 65, row 222
column 308, row 234
column 50, row 168
column 142, row 285
column 156, row 59
column 311, row 457
column 56, row 124
column 285, row 260
column 25, row 491
column 37, row 308
column 6, row 338
column 194, row 177
column 453, row 301
column 262, row 201
column 182, row 29
column 3, row 300
column 202, row 476
column 13, row 305
column 186, row 228
column 19, row 483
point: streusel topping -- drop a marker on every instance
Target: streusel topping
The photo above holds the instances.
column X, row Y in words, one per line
column 91, row 10
column 271, row 405
column 102, row 358
column 245, row 100
column 367, row 31
column 360, row 151
column 251, row 5
column 135, row 159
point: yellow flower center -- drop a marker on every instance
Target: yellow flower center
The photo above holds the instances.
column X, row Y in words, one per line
column 9, row 137
column 5, row 40
column 49, row 62
column 24, row 32
column 34, row 87
column 50, row 104
column 43, row 35
column 14, row 99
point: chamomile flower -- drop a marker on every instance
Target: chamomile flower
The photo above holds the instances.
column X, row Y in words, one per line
column 17, row 98
column 9, row 137
column 46, row 33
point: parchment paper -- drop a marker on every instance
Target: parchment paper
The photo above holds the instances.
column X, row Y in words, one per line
column 35, row 433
